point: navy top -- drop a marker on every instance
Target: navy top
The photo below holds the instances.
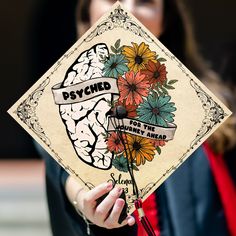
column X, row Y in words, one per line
column 188, row 203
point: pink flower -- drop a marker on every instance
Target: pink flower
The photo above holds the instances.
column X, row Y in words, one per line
column 158, row 143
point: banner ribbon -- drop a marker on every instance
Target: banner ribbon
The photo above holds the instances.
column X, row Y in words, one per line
column 84, row 91
column 136, row 127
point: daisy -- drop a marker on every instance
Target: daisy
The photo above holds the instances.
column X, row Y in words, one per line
column 157, row 110
column 132, row 88
column 139, row 149
column 115, row 66
column 155, row 73
column 138, row 56
column 114, row 143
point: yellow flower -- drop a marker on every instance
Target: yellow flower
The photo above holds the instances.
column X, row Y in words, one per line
column 138, row 56
column 139, row 149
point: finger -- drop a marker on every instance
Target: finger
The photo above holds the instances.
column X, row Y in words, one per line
column 89, row 199
column 97, row 192
column 130, row 220
column 102, row 210
column 115, row 214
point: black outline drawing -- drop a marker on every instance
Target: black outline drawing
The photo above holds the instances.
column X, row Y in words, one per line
column 90, row 145
column 214, row 113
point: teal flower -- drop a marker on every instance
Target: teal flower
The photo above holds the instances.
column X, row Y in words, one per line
column 157, row 110
column 120, row 163
column 115, row 66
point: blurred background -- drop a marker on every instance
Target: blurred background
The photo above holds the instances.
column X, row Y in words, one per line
column 34, row 34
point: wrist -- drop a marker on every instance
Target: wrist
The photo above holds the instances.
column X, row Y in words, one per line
column 75, row 203
column 72, row 189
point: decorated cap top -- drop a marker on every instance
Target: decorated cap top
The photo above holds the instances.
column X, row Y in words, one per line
column 119, row 106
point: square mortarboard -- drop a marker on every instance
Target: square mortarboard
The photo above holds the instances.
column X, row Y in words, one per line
column 119, row 106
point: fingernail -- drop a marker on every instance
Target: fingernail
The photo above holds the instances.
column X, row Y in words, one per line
column 119, row 190
column 120, row 202
column 130, row 220
column 109, row 186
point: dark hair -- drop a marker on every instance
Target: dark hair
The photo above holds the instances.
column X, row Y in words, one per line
column 179, row 38
column 177, row 35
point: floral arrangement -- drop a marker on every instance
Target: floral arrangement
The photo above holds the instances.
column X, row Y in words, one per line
column 143, row 86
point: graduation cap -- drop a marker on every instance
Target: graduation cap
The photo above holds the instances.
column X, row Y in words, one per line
column 119, row 106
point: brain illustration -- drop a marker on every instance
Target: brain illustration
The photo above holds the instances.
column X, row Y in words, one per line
column 86, row 121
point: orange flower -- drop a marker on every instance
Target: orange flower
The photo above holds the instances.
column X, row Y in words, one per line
column 155, row 73
column 139, row 149
column 114, row 143
column 138, row 56
column 133, row 88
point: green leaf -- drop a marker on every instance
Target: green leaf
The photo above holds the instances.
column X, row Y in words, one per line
column 161, row 59
column 164, row 90
column 135, row 167
column 165, row 83
column 157, row 86
column 106, row 151
column 118, row 51
column 172, row 81
column 104, row 135
column 168, row 86
column 113, row 50
column 157, row 91
column 117, row 44
column 158, row 150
